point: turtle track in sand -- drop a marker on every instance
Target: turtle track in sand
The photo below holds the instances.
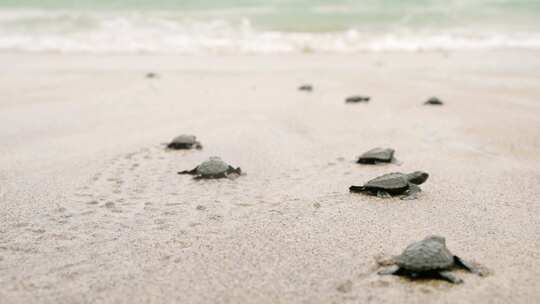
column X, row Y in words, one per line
column 137, row 209
column 134, row 209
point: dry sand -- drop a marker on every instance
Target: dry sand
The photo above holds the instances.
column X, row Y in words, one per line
column 92, row 210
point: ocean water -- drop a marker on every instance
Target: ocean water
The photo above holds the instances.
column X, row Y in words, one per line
column 270, row 26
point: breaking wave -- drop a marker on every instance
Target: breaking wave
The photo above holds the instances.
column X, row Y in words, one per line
column 53, row 31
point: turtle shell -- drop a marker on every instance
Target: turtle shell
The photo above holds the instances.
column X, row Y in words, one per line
column 434, row 101
column 306, row 87
column 214, row 166
column 183, row 141
column 376, row 155
column 391, row 182
column 428, row 254
column 357, row 98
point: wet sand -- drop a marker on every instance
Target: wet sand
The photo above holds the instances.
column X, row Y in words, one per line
column 92, row 210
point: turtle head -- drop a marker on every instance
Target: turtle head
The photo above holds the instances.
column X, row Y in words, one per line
column 417, row 177
column 436, row 238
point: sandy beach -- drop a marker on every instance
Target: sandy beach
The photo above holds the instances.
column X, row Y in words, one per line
column 92, row 210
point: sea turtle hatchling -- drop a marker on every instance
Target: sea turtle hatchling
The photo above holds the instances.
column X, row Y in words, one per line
column 377, row 155
column 184, row 142
column 306, row 88
column 428, row 258
column 357, row 98
column 395, row 183
column 214, row 167
column 433, row 101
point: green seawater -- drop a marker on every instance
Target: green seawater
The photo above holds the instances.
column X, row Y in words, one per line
column 323, row 15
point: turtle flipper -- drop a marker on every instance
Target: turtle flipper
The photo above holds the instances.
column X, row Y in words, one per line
column 357, row 189
column 450, row 277
column 191, row 172
column 383, row 194
column 467, row 266
column 389, row 270
column 198, row 146
column 412, row 192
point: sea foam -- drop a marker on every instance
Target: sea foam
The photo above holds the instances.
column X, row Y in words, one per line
column 57, row 31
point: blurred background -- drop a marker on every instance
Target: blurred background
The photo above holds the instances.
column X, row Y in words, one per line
column 269, row 26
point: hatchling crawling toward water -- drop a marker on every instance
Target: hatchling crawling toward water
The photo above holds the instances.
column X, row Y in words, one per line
column 357, row 99
column 377, row 155
column 184, row 142
column 306, row 88
column 212, row 168
column 428, row 258
column 392, row 184
column 433, row 101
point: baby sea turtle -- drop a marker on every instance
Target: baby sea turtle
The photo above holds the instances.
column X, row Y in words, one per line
column 306, row 88
column 394, row 184
column 214, row 167
column 357, row 98
column 428, row 258
column 184, row 142
column 151, row 75
column 434, row 101
column 377, row 155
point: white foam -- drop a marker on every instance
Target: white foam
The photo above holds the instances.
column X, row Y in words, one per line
column 37, row 31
